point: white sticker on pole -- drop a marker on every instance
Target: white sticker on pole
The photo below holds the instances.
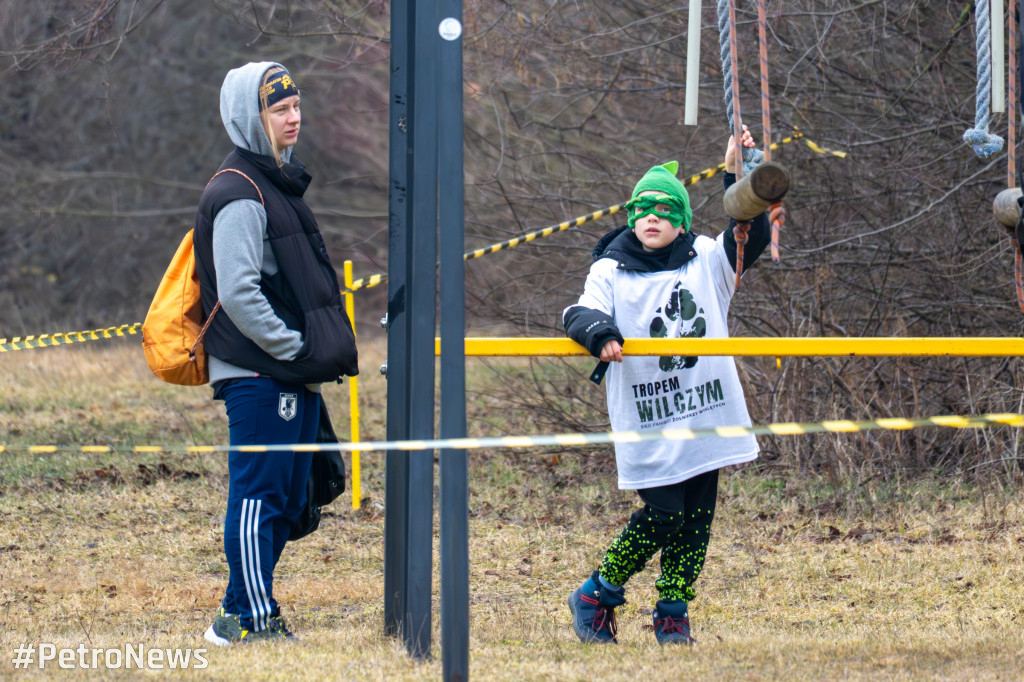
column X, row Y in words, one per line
column 450, row 28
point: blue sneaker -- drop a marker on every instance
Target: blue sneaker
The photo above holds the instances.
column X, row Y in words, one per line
column 671, row 623
column 593, row 611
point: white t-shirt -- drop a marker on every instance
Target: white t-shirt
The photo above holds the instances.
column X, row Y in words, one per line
column 654, row 393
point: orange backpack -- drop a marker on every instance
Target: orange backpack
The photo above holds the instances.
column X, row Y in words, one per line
column 172, row 334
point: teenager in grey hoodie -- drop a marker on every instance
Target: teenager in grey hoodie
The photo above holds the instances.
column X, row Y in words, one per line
column 281, row 331
column 241, row 255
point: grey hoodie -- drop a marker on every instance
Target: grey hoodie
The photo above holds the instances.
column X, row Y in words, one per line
column 240, row 111
column 240, row 252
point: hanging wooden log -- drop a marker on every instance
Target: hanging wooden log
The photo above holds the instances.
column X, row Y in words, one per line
column 1005, row 206
column 756, row 191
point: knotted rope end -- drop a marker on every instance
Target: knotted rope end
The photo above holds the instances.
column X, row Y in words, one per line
column 982, row 142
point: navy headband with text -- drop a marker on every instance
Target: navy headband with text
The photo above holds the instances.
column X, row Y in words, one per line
column 276, row 89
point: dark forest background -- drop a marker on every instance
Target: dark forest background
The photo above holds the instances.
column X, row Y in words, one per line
column 109, row 128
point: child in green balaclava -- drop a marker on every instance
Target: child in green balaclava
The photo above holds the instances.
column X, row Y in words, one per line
column 660, row 185
column 654, row 278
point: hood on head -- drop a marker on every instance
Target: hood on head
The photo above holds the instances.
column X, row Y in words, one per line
column 240, row 109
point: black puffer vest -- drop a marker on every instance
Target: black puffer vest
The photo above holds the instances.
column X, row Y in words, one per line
column 304, row 293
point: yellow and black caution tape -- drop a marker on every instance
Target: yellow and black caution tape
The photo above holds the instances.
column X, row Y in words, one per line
column 572, row 439
column 580, row 220
column 367, row 282
column 510, row 243
column 547, row 231
column 44, row 340
column 797, row 135
column 64, row 338
column 820, row 150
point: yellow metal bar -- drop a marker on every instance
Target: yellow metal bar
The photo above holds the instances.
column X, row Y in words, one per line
column 353, row 392
column 759, row 346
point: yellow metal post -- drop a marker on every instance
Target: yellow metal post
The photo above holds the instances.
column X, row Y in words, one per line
column 353, row 391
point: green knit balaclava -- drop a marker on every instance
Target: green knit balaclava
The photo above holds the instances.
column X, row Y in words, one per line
column 661, row 179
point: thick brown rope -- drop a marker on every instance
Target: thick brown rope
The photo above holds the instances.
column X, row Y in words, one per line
column 1011, row 149
column 741, row 229
column 1011, row 137
column 778, row 213
column 1017, row 277
column 737, row 124
column 777, row 216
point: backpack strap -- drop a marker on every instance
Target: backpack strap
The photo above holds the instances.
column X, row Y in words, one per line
column 209, row 319
column 202, row 332
column 235, row 170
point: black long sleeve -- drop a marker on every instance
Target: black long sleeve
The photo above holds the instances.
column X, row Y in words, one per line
column 590, row 328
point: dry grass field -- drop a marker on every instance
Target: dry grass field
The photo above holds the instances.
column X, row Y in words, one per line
column 874, row 580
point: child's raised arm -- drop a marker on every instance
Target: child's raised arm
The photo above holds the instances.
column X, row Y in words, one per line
column 730, row 150
column 759, row 235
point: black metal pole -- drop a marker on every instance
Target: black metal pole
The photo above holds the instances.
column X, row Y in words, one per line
column 454, row 485
column 420, row 350
column 397, row 322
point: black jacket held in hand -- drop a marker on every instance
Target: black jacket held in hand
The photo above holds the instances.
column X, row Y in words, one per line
column 304, row 293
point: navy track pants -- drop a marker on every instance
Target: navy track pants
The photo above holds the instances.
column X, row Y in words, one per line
column 267, row 490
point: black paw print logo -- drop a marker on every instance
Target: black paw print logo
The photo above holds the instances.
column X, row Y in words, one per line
column 680, row 306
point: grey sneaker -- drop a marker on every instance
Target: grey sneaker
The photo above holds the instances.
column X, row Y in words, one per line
column 276, row 629
column 226, row 630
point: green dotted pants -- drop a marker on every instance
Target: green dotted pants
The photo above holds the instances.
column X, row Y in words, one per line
column 675, row 519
